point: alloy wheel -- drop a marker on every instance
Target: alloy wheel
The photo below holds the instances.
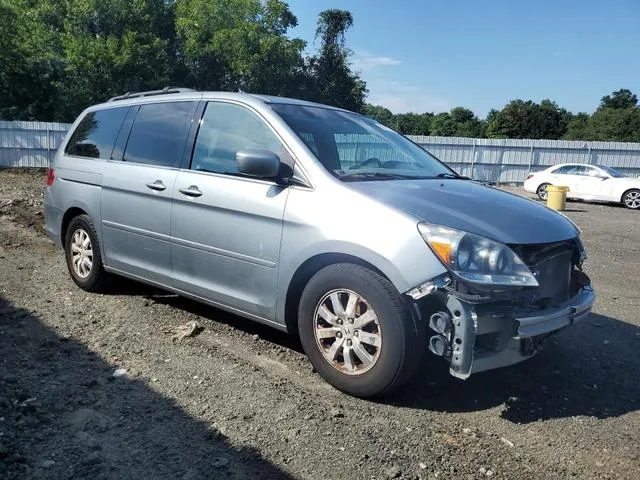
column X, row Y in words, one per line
column 542, row 192
column 347, row 331
column 81, row 253
column 632, row 199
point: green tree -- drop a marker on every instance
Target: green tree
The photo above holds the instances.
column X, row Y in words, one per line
column 622, row 98
column 467, row 123
column 577, row 127
column 13, row 59
column 413, row 123
column 240, row 45
column 114, row 46
column 527, row 119
column 552, row 120
column 617, row 119
column 59, row 57
column 29, row 62
column 380, row 114
column 443, row 125
column 79, row 52
column 461, row 115
column 332, row 80
column 491, row 116
column 614, row 125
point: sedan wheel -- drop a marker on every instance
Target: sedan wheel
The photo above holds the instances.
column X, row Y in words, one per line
column 631, row 199
column 347, row 332
column 542, row 191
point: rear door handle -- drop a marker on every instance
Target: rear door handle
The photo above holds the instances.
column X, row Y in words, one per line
column 158, row 186
column 192, row 191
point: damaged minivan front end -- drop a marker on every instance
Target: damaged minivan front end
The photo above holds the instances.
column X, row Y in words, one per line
column 498, row 303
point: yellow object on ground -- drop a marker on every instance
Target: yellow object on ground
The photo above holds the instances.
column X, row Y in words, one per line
column 557, row 197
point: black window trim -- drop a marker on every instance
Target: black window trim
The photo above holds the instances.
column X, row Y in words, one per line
column 192, row 134
column 123, row 133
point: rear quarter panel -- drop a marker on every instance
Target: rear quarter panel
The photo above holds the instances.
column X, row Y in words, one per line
column 76, row 185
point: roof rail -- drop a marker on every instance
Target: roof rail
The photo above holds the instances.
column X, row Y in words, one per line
column 150, row 93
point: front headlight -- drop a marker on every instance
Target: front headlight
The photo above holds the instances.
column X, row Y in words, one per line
column 475, row 258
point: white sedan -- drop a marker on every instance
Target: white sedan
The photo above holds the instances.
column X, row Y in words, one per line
column 587, row 182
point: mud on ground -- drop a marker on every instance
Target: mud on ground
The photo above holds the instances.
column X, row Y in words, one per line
column 239, row 400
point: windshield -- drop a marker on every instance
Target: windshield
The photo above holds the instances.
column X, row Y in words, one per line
column 356, row 148
column 611, row 171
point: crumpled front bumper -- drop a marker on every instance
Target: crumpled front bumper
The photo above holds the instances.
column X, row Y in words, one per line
column 484, row 337
column 552, row 319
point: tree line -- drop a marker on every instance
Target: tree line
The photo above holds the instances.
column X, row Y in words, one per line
column 57, row 57
column 617, row 118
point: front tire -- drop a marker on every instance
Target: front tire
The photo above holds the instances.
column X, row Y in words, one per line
column 541, row 191
column 357, row 332
column 631, row 199
column 83, row 256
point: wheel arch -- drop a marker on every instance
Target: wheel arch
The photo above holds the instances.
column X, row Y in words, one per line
column 307, row 270
column 69, row 215
column 544, row 182
column 627, row 191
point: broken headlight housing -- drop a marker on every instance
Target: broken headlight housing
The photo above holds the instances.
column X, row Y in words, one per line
column 477, row 259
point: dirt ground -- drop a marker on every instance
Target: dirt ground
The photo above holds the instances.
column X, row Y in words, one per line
column 240, row 400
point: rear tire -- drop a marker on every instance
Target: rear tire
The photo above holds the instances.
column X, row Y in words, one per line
column 631, row 199
column 368, row 345
column 541, row 191
column 83, row 256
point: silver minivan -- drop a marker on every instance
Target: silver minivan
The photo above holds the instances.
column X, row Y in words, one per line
column 316, row 221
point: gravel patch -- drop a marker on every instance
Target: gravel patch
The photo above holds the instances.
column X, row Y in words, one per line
column 106, row 387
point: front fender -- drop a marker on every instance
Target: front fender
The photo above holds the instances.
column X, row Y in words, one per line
column 404, row 273
column 620, row 190
column 339, row 220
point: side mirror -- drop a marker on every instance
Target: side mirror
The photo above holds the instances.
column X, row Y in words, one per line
column 258, row 163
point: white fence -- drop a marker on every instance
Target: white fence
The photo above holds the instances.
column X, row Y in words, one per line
column 29, row 144
column 33, row 144
column 509, row 160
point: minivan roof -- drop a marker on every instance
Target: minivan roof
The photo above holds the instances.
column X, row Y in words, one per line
column 159, row 95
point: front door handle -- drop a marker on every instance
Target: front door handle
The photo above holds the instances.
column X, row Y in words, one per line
column 192, row 191
column 158, row 186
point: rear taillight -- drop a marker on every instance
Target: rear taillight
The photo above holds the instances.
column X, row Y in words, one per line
column 529, row 176
column 50, row 177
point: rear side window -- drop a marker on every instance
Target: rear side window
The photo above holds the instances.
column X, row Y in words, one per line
column 96, row 133
column 567, row 170
column 159, row 133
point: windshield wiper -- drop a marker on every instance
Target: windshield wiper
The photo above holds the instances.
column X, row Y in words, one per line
column 376, row 176
column 452, row 175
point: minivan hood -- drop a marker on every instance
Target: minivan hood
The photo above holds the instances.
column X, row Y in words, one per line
column 472, row 207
